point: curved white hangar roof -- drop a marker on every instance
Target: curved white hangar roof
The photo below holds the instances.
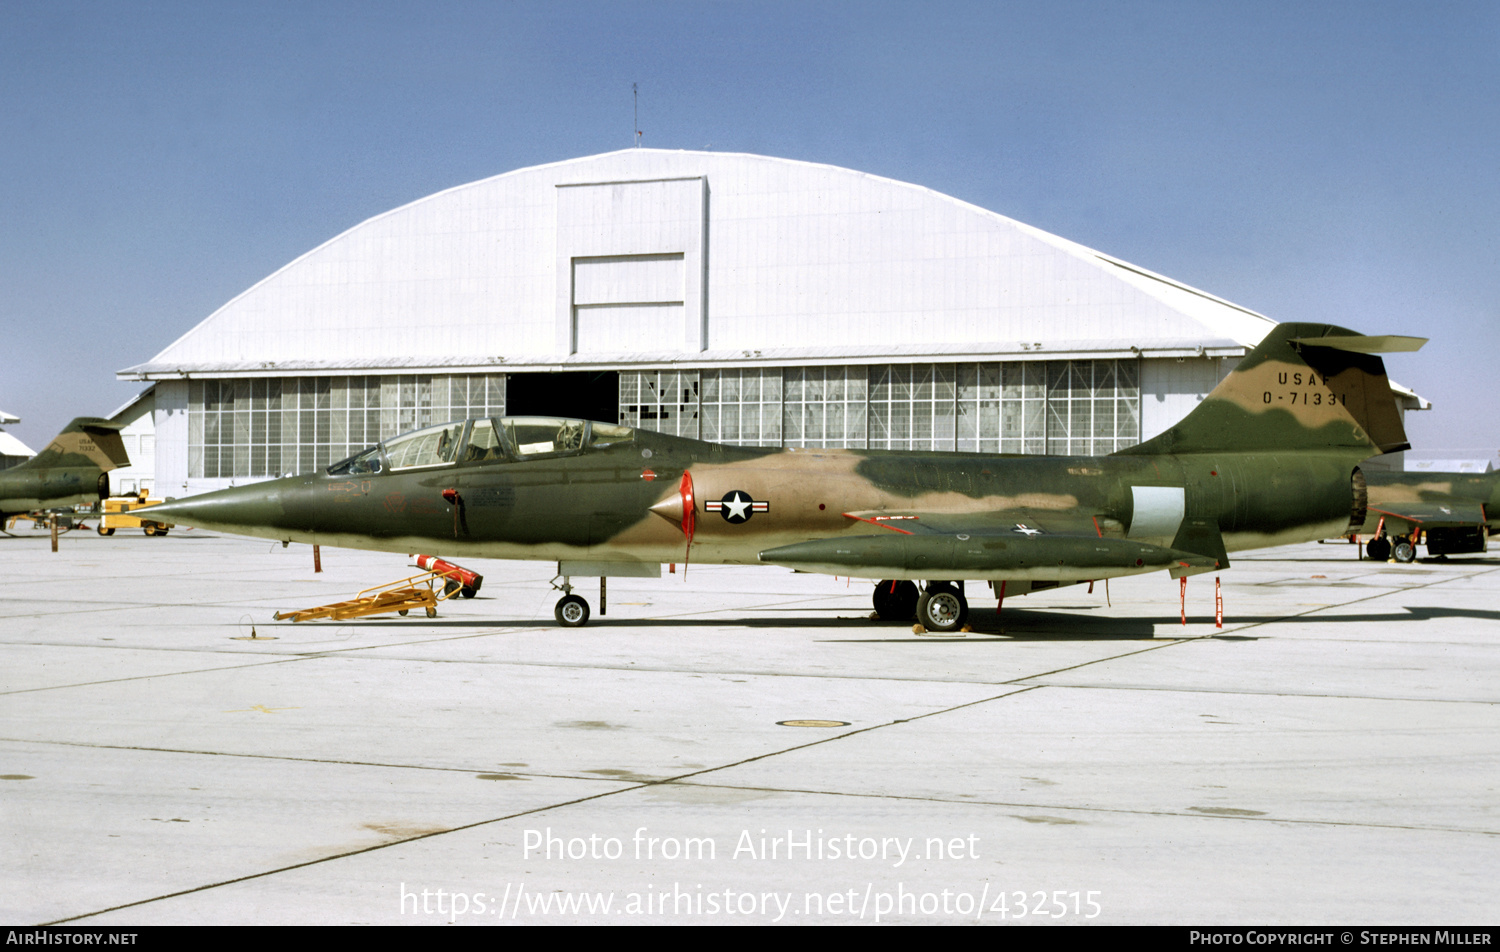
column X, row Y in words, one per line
column 655, row 258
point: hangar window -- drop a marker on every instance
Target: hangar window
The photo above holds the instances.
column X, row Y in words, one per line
column 743, row 406
column 271, row 426
column 1065, row 407
column 662, row 400
column 1093, row 406
column 913, row 406
column 826, row 406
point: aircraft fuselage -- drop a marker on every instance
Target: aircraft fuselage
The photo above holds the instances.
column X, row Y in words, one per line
column 616, row 503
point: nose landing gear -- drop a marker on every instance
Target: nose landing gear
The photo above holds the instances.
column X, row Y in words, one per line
column 572, row 611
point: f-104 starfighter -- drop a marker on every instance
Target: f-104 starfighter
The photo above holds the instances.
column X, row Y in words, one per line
column 1270, row 457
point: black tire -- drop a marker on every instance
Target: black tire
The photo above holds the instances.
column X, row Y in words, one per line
column 1404, row 550
column 898, row 605
column 106, row 532
column 149, row 530
column 431, row 612
column 571, row 611
column 468, row 591
column 1378, row 549
column 942, row 610
column 402, row 611
column 451, row 587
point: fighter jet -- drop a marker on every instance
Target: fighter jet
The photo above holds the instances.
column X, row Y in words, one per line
column 1453, row 513
column 1269, row 457
column 72, row 470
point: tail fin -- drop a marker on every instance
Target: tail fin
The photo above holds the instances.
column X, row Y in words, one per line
column 1304, row 387
column 87, row 441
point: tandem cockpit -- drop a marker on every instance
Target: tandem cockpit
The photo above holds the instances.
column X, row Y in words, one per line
column 484, row 440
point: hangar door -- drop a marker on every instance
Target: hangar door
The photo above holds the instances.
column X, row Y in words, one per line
column 588, row 395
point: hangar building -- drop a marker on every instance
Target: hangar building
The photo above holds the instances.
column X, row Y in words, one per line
column 738, row 298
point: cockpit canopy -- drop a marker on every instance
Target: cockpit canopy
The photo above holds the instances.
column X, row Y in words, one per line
column 486, row 439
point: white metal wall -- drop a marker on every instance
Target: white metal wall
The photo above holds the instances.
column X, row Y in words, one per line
column 775, row 254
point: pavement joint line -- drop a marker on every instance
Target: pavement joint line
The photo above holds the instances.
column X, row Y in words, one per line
column 147, row 677
column 1266, row 693
column 554, row 806
column 634, row 787
column 680, row 781
column 1104, row 810
column 185, row 751
column 344, row 855
column 1256, row 624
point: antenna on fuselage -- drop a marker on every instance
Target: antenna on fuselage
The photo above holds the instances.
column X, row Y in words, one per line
column 635, row 94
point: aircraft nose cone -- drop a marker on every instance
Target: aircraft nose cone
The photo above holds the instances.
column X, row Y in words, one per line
column 241, row 508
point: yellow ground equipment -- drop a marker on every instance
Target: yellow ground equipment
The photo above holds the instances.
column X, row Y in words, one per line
column 119, row 512
column 419, row 591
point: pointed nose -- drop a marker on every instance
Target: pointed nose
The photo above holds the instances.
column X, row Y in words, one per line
column 258, row 509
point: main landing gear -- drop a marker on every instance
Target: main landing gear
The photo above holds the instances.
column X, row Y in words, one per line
column 1401, row 549
column 895, row 601
column 940, row 606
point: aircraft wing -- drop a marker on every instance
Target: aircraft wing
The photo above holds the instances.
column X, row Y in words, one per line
column 1446, row 514
column 1009, row 543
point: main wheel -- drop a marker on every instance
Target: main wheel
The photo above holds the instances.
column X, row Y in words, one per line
column 468, row 591
column 898, row 604
column 571, row 611
column 1404, row 550
column 452, row 587
column 1378, row 549
column 944, row 609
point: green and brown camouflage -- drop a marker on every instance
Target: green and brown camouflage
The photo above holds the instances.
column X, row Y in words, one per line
column 1452, row 513
column 1270, row 457
column 71, row 471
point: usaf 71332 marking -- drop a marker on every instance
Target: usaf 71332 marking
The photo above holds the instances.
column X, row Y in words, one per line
column 1271, row 456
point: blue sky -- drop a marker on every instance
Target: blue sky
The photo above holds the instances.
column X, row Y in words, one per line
column 1313, row 161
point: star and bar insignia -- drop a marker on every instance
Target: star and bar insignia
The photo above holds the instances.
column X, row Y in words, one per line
column 736, row 506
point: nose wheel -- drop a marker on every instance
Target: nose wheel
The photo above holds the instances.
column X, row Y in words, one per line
column 571, row 611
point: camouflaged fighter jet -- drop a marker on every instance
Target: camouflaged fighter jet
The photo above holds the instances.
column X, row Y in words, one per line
column 72, row 470
column 1453, row 513
column 1270, row 457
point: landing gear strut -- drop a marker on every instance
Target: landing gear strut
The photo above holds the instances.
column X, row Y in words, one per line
column 942, row 607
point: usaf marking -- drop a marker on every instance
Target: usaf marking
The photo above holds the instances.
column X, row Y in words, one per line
column 736, row 506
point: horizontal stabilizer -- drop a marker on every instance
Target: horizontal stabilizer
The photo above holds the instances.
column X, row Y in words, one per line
column 1360, row 344
column 1203, row 539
